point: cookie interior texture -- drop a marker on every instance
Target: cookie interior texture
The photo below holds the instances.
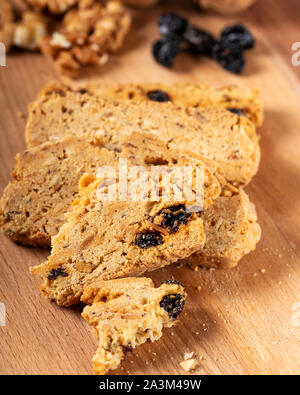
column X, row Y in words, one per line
column 45, row 181
column 219, row 135
column 244, row 101
column 126, row 313
column 103, row 240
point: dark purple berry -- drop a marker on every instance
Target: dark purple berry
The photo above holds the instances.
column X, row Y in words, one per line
column 56, row 273
column 158, row 95
column 165, row 51
column 173, row 216
column 236, row 111
column 172, row 25
column 230, row 59
column 199, row 41
column 237, row 36
column 173, row 282
column 173, row 304
column 148, row 239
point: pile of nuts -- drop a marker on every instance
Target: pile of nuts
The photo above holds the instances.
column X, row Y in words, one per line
column 84, row 33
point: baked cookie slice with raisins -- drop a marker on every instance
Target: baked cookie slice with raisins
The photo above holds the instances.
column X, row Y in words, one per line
column 45, row 182
column 125, row 313
column 104, row 239
column 241, row 101
column 44, row 185
column 229, row 140
column 230, row 222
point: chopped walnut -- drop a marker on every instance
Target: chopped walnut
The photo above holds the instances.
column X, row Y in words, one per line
column 87, row 35
column 53, row 6
column 29, row 31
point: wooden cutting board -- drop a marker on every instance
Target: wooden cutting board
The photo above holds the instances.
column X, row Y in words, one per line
column 242, row 321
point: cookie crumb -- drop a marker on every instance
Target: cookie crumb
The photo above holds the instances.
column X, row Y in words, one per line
column 189, row 365
column 188, row 355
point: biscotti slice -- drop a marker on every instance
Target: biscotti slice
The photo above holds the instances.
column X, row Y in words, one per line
column 242, row 101
column 231, row 230
column 46, row 179
column 230, row 223
column 125, row 313
column 104, row 239
column 217, row 134
column 45, row 182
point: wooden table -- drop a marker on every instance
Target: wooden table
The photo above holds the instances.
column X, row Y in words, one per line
column 242, row 321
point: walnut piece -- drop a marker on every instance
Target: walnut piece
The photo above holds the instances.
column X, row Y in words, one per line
column 87, row 35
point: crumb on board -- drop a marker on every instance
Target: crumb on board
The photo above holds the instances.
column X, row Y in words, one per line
column 188, row 355
column 189, row 365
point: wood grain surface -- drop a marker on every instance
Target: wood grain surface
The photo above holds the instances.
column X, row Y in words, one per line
column 242, row 321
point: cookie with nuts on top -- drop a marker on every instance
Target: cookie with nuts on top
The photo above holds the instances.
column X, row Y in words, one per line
column 125, row 313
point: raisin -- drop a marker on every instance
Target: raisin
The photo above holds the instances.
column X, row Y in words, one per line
column 237, row 36
column 127, row 349
column 158, row 95
column 230, row 59
column 174, row 216
column 236, row 111
column 57, row 272
column 173, row 282
column 172, row 25
column 165, row 51
column 199, row 41
column 173, row 304
column 148, row 239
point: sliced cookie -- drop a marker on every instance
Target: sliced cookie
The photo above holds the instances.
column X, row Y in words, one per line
column 215, row 133
column 230, row 223
column 231, row 230
column 125, row 313
column 45, row 182
column 242, row 101
column 103, row 240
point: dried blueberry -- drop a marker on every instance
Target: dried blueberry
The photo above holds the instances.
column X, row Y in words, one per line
column 173, row 304
column 127, row 349
column 173, row 282
column 158, row 95
column 173, row 216
column 230, row 59
column 237, row 36
column 56, row 273
column 172, row 25
column 165, row 51
column 148, row 239
column 236, row 111
column 199, row 41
